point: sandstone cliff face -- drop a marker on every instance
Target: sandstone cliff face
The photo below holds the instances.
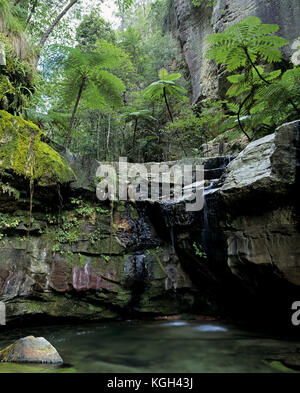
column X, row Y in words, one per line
column 264, row 178
column 192, row 25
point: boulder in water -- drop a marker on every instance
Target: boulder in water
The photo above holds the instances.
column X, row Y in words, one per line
column 31, row 350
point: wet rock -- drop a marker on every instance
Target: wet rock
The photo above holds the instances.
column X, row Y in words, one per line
column 92, row 277
column 267, row 166
column 263, row 230
column 31, row 350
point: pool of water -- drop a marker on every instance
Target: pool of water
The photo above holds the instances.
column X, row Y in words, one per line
column 142, row 347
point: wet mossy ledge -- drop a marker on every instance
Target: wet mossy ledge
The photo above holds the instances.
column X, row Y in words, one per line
column 23, row 152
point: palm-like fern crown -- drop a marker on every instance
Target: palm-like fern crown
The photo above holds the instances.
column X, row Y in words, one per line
column 167, row 83
column 101, row 87
column 247, row 37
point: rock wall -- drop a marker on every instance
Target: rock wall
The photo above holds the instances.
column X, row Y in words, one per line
column 91, row 266
column 191, row 25
column 262, row 183
column 239, row 256
column 257, row 213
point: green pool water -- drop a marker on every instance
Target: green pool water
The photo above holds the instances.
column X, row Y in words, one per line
column 177, row 347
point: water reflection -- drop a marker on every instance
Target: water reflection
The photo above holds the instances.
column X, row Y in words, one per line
column 174, row 346
column 210, row 328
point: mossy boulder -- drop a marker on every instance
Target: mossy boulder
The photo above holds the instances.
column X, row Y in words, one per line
column 31, row 350
column 23, row 152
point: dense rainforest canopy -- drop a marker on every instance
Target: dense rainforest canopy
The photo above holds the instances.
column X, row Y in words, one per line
column 123, row 89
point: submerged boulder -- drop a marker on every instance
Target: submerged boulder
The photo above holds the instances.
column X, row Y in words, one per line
column 31, row 350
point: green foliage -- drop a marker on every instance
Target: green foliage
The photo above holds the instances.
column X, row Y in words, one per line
column 92, row 29
column 123, row 5
column 244, row 46
column 129, row 115
column 18, row 82
column 68, row 233
column 200, row 124
column 8, row 222
column 102, row 88
column 6, row 188
column 9, row 22
column 207, row 3
column 88, row 80
column 22, row 150
column 131, row 41
column 246, row 42
column 165, row 84
column 84, row 209
column 199, row 251
column 275, row 103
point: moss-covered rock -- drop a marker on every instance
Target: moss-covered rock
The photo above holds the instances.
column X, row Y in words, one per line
column 23, row 151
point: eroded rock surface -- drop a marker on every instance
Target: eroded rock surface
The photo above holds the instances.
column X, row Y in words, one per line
column 93, row 266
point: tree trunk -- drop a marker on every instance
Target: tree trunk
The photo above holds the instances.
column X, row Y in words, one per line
column 68, row 140
column 56, row 21
column 32, row 11
column 134, row 134
column 108, row 134
column 167, row 104
column 98, row 136
column 239, row 116
column 172, row 120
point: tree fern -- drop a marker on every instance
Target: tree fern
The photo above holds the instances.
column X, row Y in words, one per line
column 88, row 79
column 136, row 116
column 246, row 42
column 166, row 87
column 281, row 99
column 243, row 46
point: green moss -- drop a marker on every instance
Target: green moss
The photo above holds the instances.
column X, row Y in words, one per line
column 279, row 366
column 22, row 151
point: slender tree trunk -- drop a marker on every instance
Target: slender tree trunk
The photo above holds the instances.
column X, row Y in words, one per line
column 256, row 69
column 167, row 104
column 172, row 120
column 108, row 134
column 68, row 140
column 134, row 134
column 55, row 22
column 32, row 11
column 98, row 136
